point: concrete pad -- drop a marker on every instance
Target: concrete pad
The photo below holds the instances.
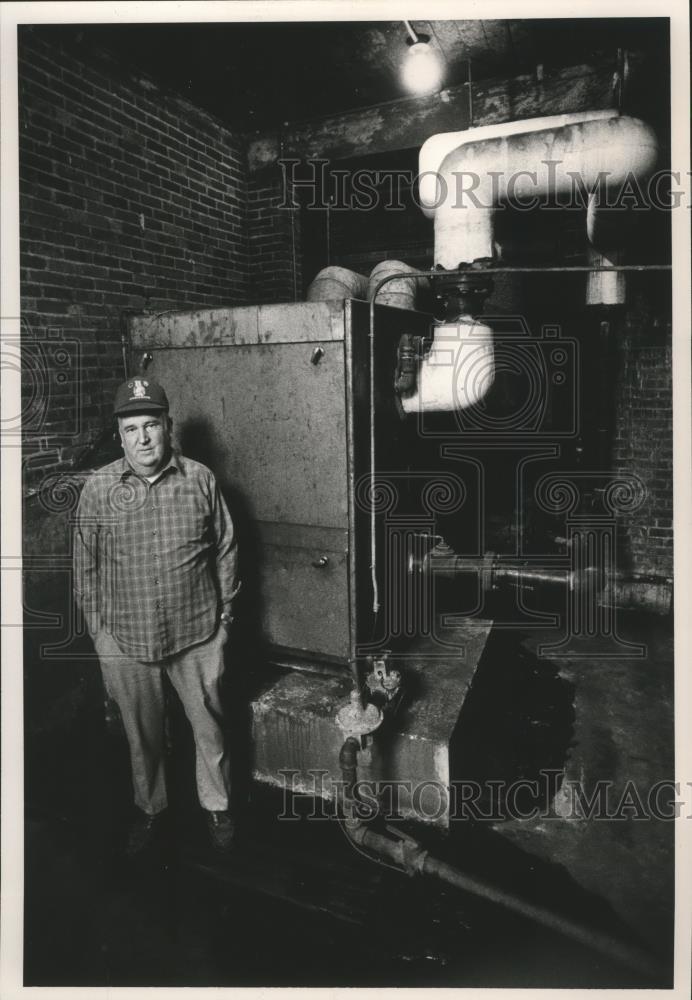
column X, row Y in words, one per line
column 296, row 741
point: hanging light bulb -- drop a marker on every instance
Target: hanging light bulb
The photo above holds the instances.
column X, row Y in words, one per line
column 422, row 69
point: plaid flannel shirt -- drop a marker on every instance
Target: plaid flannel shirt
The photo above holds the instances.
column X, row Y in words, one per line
column 155, row 563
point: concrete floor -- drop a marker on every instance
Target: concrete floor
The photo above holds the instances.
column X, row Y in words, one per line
column 592, row 719
column 623, row 734
column 296, row 905
column 275, row 916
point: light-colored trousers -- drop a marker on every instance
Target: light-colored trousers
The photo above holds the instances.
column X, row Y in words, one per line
column 137, row 689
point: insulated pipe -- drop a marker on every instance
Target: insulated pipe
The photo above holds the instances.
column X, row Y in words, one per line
column 604, row 230
column 348, row 762
column 413, row 859
column 569, row 269
column 475, row 176
column 605, row 288
column 401, row 292
column 337, row 283
column 435, row 149
column 456, row 371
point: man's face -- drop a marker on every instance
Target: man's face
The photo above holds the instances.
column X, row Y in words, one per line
column 146, row 440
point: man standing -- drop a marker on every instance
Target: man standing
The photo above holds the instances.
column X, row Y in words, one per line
column 155, row 576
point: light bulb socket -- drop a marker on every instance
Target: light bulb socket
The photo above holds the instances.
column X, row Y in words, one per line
column 421, row 39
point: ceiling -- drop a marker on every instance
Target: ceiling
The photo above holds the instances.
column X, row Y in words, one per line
column 256, row 76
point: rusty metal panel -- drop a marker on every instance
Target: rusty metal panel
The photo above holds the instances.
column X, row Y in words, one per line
column 303, row 588
column 268, row 422
column 301, row 321
column 287, row 434
column 276, row 324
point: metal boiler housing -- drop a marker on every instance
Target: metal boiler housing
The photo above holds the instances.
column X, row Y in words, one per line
column 278, row 401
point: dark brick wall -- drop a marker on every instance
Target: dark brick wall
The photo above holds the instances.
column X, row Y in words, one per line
column 130, row 198
column 643, row 443
column 274, row 240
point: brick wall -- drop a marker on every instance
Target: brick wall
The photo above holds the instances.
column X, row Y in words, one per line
column 274, row 242
column 643, row 443
column 130, row 199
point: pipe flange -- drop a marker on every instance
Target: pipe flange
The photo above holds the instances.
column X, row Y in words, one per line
column 463, row 290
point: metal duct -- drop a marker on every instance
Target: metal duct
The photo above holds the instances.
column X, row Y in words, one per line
column 401, row 292
column 336, row 284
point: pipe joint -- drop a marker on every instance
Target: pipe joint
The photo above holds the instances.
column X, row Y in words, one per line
column 462, row 290
column 348, row 755
column 412, row 853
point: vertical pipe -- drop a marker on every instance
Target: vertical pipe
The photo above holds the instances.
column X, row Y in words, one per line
column 412, row 33
column 124, row 341
column 293, row 249
column 373, row 522
column 469, row 83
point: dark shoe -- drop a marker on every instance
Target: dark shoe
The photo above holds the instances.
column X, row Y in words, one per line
column 221, row 830
column 143, row 832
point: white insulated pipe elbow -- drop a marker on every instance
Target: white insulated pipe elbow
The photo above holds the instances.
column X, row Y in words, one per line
column 435, row 149
column 474, row 176
column 457, row 371
column 464, row 175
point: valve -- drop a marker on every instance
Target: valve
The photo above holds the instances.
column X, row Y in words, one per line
column 408, row 353
column 462, row 291
column 357, row 719
column 383, row 681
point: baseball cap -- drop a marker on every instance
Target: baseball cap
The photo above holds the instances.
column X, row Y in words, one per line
column 139, row 395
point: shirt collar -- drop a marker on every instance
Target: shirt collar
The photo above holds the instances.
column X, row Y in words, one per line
column 173, row 462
